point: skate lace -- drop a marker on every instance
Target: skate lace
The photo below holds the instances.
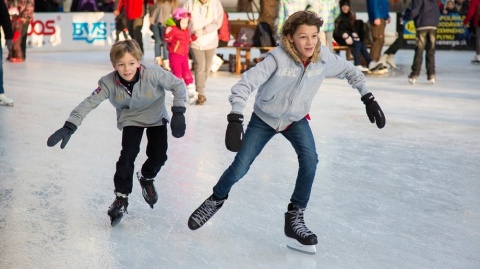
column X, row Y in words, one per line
column 205, row 212
column 298, row 224
column 122, row 205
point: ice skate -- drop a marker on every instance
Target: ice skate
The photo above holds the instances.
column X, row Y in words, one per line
column 363, row 69
column 148, row 189
column 118, row 207
column 4, row 100
column 206, row 210
column 476, row 60
column 412, row 79
column 374, row 66
column 431, row 79
column 300, row 238
column 192, row 94
column 391, row 61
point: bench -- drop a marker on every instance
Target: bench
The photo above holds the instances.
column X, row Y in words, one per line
column 348, row 53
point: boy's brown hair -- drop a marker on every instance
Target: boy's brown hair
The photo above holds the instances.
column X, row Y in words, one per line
column 119, row 49
column 299, row 18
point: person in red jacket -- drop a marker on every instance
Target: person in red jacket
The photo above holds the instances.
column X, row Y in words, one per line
column 178, row 38
column 473, row 16
column 134, row 11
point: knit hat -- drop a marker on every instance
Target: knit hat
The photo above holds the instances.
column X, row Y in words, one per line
column 344, row 2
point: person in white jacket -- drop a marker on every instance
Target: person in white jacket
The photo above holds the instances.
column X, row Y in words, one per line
column 207, row 17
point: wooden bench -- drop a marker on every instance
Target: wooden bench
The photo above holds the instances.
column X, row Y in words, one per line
column 348, row 53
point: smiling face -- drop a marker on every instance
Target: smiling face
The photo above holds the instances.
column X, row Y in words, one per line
column 305, row 40
column 127, row 66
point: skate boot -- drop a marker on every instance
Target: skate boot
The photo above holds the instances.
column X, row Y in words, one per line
column 148, row 189
column 192, row 93
column 206, row 210
column 431, row 79
column 476, row 59
column 201, row 99
column 412, row 79
column 115, row 211
column 300, row 238
column 4, row 100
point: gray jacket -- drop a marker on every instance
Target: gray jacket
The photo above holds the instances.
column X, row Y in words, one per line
column 145, row 107
column 286, row 88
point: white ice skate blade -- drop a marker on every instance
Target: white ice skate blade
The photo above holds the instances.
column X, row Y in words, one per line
column 295, row 245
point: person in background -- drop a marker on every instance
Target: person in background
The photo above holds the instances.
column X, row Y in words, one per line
column 207, row 17
column 20, row 24
column 345, row 34
column 287, row 8
column 138, row 93
column 461, row 6
column 286, row 81
column 162, row 11
column 328, row 10
column 134, row 11
column 178, row 40
column 120, row 24
column 378, row 18
column 426, row 16
column 450, row 8
column 473, row 16
column 6, row 25
column 224, row 31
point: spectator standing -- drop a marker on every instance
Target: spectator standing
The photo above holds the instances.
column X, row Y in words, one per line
column 8, row 32
column 287, row 8
column 378, row 18
column 346, row 35
column 426, row 16
column 328, row 11
column 21, row 22
column 473, row 16
column 162, row 11
column 134, row 11
column 224, row 31
column 207, row 17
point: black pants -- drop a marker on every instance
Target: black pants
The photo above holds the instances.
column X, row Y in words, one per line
column 156, row 155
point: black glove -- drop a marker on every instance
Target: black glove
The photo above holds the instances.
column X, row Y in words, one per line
column 63, row 133
column 374, row 112
column 178, row 121
column 234, row 134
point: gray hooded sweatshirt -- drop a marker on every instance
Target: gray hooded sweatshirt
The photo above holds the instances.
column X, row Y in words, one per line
column 144, row 106
column 286, row 88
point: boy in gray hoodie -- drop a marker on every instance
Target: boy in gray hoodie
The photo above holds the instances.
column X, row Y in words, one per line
column 286, row 81
column 138, row 94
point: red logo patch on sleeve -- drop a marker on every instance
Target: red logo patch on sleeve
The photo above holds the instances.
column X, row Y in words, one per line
column 96, row 91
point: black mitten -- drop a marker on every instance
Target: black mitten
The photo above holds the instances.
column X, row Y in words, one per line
column 178, row 121
column 63, row 133
column 374, row 112
column 234, row 134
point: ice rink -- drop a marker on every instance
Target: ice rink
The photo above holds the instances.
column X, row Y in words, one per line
column 406, row 196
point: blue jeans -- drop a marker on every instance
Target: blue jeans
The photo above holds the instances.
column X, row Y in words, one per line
column 2, row 90
column 158, row 32
column 257, row 135
column 357, row 49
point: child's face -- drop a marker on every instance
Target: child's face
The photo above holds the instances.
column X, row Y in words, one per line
column 345, row 8
column 305, row 40
column 127, row 66
column 183, row 23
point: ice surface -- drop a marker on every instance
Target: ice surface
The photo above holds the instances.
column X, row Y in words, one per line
column 406, row 196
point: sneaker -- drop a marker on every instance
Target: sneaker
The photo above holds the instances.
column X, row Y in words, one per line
column 295, row 227
column 362, row 68
column 118, row 207
column 148, row 189
column 412, row 79
column 206, row 210
column 201, row 99
column 391, row 60
column 5, row 100
column 431, row 79
column 375, row 65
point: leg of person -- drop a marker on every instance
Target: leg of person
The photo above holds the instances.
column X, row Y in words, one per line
column 322, row 37
column 389, row 55
column 199, row 72
column 355, row 50
column 164, row 50
column 123, row 178
column 329, row 40
column 188, row 78
column 208, row 67
column 418, row 56
column 430, row 55
column 4, row 100
column 156, row 157
column 300, row 237
column 476, row 59
column 24, row 40
column 156, row 48
column 135, row 30
column 257, row 135
column 378, row 37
